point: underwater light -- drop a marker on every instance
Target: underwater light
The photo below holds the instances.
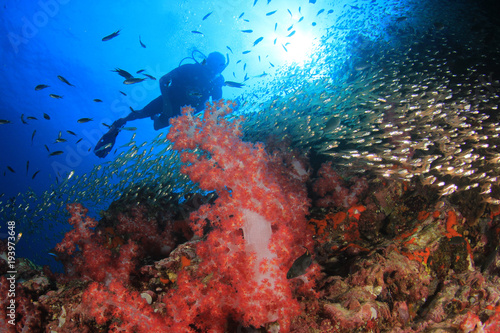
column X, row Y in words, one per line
column 297, row 49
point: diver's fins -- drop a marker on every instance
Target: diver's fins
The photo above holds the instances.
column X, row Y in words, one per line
column 104, row 146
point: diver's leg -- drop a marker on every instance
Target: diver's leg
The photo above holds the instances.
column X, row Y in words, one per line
column 105, row 144
column 150, row 110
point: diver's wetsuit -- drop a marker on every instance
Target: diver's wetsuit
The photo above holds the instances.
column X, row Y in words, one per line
column 190, row 84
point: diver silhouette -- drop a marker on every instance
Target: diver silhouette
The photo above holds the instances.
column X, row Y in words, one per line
column 188, row 84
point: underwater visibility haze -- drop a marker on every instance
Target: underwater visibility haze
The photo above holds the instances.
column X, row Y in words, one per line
column 348, row 179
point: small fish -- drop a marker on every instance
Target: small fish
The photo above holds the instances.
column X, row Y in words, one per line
column 34, row 175
column 275, row 41
column 241, row 15
column 108, row 126
column 196, row 94
column 71, row 132
column 121, row 92
column 123, row 73
column 131, row 109
column 205, row 17
column 401, row 19
column 290, row 28
column 262, row 75
column 229, row 49
column 361, row 66
column 247, row 31
column 142, row 44
column 27, row 167
column 244, row 66
column 300, row 19
column 258, row 40
column 57, row 152
column 197, row 32
column 275, row 26
column 133, row 80
column 332, row 124
column 97, row 100
column 300, row 265
column 291, row 34
column 46, row 116
column 320, row 11
column 140, row 71
column 64, row 80
column 10, row 169
column 233, row 84
column 254, row 3
column 59, row 140
column 31, row 118
column 289, row 12
column 84, row 120
column 41, row 86
column 271, row 13
column 312, row 1
column 111, row 36
column 245, row 52
column 149, row 76
column 55, row 96
column 47, row 148
column 330, row 11
column 284, row 48
column 270, row 63
column 22, row 119
column 268, row 1
column 18, row 238
column 33, row 136
column 79, row 140
column 104, row 147
column 129, row 128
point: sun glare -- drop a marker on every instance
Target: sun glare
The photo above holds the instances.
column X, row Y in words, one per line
column 298, row 49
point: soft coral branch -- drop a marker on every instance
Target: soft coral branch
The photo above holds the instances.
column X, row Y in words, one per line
column 93, row 261
column 258, row 222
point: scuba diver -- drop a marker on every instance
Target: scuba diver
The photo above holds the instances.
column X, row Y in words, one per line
column 189, row 84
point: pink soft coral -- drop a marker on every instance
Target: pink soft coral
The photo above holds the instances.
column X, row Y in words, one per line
column 333, row 191
column 93, row 261
column 258, row 224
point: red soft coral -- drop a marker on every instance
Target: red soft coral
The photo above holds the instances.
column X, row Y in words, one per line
column 123, row 310
column 333, row 191
column 93, row 261
column 258, row 223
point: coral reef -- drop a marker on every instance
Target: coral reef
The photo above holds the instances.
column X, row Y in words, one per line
column 388, row 255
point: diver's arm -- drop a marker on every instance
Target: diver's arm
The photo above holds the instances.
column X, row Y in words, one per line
column 217, row 93
column 217, row 89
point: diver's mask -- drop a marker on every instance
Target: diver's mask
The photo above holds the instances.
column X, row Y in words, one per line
column 217, row 62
